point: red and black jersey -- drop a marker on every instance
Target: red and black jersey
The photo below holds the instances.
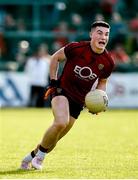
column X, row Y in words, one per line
column 83, row 67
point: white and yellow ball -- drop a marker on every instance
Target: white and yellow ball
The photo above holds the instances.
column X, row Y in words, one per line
column 96, row 101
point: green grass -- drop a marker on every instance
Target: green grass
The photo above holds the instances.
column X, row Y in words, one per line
column 103, row 146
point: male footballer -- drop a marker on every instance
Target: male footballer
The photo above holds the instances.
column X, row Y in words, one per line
column 85, row 62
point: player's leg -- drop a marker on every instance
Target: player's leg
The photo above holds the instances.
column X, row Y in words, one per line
column 60, row 108
column 61, row 112
column 27, row 160
column 74, row 112
column 63, row 133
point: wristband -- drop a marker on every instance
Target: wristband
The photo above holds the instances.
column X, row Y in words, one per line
column 54, row 83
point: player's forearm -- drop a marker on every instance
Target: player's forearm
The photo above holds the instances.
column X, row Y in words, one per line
column 102, row 84
column 54, row 68
column 55, row 59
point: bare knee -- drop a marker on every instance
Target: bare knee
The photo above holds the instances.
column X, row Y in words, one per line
column 61, row 124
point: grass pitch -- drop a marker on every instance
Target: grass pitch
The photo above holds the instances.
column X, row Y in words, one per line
column 103, row 146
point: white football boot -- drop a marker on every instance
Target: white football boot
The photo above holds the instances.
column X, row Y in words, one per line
column 25, row 165
column 26, row 162
column 37, row 162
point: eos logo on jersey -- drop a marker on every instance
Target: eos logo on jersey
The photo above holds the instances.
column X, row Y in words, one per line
column 84, row 72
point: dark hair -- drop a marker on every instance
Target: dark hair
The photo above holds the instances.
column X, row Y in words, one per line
column 100, row 23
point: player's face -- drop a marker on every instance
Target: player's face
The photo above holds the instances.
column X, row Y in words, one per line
column 99, row 38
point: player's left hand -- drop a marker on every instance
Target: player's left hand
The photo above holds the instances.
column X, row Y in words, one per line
column 49, row 91
column 54, row 84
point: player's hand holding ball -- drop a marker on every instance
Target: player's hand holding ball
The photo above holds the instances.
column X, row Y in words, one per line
column 96, row 101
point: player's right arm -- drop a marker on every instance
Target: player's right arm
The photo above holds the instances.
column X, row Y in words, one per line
column 54, row 63
column 55, row 59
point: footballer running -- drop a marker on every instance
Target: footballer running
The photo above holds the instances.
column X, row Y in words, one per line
column 85, row 63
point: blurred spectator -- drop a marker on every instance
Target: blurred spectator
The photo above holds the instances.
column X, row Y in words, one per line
column 119, row 55
column 62, row 32
column 99, row 17
column 107, row 7
column 76, row 21
column 134, row 24
column 119, row 29
column 21, row 26
column 132, row 39
column 37, row 69
column 132, row 43
column 10, row 23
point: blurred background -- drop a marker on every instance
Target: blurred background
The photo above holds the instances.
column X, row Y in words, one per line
column 32, row 30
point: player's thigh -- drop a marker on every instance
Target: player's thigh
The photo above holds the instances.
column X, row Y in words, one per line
column 60, row 108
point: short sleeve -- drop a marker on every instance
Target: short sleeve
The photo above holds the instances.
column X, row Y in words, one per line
column 109, row 69
column 69, row 49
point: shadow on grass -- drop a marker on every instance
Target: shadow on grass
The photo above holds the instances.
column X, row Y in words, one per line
column 20, row 171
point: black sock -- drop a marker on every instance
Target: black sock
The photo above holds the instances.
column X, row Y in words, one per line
column 32, row 154
column 42, row 149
